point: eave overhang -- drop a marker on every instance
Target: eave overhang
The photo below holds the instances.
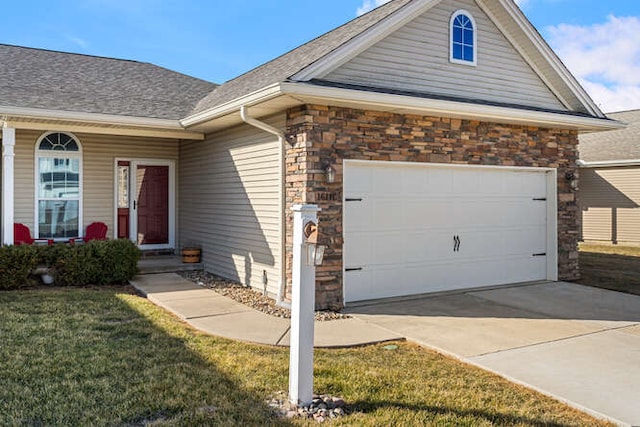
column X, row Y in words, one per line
column 108, row 124
column 278, row 97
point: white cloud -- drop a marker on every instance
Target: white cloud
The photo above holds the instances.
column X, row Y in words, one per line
column 368, row 5
column 605, row 58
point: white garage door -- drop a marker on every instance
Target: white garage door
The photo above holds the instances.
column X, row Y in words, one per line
column 418, row 228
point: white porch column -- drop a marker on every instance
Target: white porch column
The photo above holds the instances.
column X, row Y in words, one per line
column 302, row 308
column 8, row 154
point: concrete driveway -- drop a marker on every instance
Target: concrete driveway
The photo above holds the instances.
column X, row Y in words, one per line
column 578, row 344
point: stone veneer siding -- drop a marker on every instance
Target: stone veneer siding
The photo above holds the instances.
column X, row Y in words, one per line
column 318, row 134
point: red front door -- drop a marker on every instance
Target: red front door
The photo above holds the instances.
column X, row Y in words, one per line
column 152, row 204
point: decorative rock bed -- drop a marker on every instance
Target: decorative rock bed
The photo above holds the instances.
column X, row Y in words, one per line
column 322, row 408
column 250, row 297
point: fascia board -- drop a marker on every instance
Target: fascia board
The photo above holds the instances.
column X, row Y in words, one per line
column 547, row 54
column 400, row 103
column 609, row 163
column 45, row 119
column 107, row 119
column 364, row 40
column 259, row 96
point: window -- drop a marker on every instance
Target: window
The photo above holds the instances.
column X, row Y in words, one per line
column 463, row 36
column 58, row 186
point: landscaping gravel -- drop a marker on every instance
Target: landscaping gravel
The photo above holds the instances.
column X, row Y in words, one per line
column 250, row 297
column 321, row 409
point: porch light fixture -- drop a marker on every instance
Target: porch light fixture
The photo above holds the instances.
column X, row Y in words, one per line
column 330, row 174
column 570, row 177
column 315, row 254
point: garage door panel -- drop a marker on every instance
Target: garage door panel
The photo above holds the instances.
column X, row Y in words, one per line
column 430, row 212
column 526, row 269
column 426, row 228
column 475, row 243
column 492, row 184
column 441, row 181
column 359, row 179
column 482, row 272
column 358, row 249
column 387, row 214
column 415, row 181
column 423, row 245
column 385, row 181
column 358, row 215
column 385, row 250
column 526, row 240
column 466, row 182
column 360, row 285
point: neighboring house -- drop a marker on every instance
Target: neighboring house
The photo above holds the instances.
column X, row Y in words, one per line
column 610, row 182
column 451, row 125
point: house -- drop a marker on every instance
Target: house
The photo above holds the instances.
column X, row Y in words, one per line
column 610, row 182
column 451, row 126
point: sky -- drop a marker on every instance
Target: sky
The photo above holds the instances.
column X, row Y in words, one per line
column 217, row 40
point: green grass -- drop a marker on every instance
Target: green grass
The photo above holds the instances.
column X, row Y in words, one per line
column 610, row 267
column 107, row 357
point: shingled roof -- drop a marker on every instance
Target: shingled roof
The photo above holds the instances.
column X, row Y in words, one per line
column 622, row 144
column 285, row 66
column 45, row 79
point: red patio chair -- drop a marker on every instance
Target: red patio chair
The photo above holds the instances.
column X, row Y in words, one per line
column 95, row 231
column 22, row 236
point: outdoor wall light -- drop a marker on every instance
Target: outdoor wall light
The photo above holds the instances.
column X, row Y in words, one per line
column 571, row 178
column 330, row 174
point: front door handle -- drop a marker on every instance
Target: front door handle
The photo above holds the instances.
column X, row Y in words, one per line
column 134, row 205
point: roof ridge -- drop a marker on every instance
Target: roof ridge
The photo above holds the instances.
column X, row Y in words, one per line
column 359, row 17
column 75, row 53
column 293, row 61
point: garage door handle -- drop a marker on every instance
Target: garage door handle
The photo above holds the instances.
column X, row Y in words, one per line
column 456, row 243
column 353, row 269
column 352, row 200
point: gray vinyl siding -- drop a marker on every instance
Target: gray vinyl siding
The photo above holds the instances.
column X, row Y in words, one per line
column 416, row 58
column 230, row 203
column 610, row 204
column 98, row 170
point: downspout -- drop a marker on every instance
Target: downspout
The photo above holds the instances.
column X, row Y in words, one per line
column 244, row 114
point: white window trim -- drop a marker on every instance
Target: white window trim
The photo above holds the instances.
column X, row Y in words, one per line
column 69, row 154
column 475, row 39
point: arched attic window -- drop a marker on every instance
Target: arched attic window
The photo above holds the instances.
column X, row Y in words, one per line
column 463, row 43
column 58, row 186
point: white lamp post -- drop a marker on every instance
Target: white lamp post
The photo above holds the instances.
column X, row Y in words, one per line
column 305, row 257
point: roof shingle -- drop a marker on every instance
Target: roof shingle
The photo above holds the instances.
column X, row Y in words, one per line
column 36, row 78
column 622, row 144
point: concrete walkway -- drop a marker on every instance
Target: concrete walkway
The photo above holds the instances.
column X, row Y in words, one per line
column 578, row 344
column 218, row 315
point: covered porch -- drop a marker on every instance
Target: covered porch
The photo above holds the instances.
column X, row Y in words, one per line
column 58, row 176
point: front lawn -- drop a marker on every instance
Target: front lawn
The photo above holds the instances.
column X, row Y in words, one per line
column 610, row 267
column 108, row 357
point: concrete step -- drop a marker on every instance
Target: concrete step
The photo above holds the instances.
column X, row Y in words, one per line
column 165, row 264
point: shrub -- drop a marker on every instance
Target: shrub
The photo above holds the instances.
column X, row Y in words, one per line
column 16, row 264
column 99, row 262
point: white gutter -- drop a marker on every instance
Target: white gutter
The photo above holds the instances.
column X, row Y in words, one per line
column 402, row 103
column 310, row 93
column 37, row 118
column 608, row 163
column 259, row 96
column 244, row 114
column 107, row 119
